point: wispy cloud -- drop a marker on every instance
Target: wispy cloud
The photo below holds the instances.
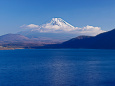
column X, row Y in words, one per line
column 30, row 26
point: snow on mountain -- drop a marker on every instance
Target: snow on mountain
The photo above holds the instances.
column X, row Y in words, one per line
column 56, row 25
column 60, row 22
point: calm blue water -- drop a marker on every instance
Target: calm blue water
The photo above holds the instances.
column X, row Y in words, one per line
column 71, row 67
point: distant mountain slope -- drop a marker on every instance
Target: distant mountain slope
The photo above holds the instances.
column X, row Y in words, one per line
column 13, row 38
column 17, row 40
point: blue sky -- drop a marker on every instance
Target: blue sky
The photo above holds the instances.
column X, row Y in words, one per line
column 79, row 13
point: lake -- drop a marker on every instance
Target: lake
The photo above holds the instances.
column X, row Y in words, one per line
column 57, row 67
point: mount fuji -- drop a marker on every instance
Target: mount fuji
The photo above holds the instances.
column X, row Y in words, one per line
column 57, row 30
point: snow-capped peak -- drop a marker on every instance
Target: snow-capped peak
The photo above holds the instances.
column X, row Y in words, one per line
column 56, row 25
column 60, row 22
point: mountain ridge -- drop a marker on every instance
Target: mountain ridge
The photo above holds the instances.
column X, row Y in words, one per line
column 104, row 40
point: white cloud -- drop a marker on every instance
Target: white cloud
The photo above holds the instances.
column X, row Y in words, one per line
column 48, row 28
column 30, row 26
column 89, row 30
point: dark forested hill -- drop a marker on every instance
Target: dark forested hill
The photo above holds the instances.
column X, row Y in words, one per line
column 102, row 41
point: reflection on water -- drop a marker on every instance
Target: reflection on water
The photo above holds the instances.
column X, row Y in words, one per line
column 58, row 72
column 57, row 68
